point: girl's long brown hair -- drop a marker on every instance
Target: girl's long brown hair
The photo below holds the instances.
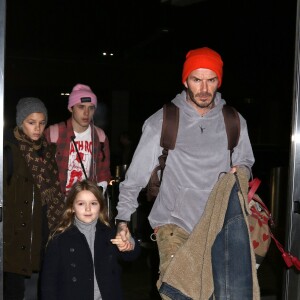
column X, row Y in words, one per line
column 67, row 217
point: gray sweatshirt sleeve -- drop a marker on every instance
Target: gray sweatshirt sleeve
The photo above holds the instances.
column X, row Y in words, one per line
column 243, row 154
column 143, row 162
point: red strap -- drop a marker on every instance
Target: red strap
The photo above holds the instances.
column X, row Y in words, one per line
column 262, row 205
column 296, row 262
column 288, row 258
column 253, row 184
column 291, row 260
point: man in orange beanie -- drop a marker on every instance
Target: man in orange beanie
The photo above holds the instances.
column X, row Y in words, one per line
column 192, row 170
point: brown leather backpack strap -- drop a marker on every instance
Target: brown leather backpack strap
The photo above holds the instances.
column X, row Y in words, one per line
column 168, row 132
column 154, row 184
column 170, row 126
column 233, row 128
column 167, row 141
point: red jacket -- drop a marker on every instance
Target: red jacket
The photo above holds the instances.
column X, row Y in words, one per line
column 100, row 164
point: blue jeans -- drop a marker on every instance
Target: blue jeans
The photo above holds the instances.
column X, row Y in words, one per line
column 231, row 257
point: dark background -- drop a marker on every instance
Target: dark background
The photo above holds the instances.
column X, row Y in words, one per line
column 52, row 45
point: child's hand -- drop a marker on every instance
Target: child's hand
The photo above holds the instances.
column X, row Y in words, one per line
column 123, row 245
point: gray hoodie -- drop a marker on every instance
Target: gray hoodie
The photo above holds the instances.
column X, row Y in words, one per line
column 192, row 168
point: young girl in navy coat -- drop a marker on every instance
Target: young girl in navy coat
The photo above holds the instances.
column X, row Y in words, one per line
column 81, row 259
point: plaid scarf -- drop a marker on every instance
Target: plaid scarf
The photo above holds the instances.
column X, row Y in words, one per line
column 40, row 159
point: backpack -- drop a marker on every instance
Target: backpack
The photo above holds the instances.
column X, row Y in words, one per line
column 54, row 135
column 260, row 219
column 168, row 139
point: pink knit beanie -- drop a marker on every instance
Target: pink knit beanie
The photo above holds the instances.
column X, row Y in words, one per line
column 82, row 94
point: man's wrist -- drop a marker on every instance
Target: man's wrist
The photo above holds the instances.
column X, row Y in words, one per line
column 121, row 222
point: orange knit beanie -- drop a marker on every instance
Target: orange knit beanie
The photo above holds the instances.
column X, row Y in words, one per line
column 205, row 58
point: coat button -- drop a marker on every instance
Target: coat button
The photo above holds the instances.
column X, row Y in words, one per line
column 23, row 247
column 23, row 224
column 26, row 201
column 72, row 250
column 73, row 265
column 74, row 279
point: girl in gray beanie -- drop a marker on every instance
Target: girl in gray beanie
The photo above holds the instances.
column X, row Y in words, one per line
column 33, row 200
column 27, row 106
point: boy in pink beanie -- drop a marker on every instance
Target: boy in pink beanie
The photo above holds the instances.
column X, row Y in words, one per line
column 82, row 150
column 81, row 94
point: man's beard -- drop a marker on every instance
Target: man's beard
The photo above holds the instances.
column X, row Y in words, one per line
column 192, row 97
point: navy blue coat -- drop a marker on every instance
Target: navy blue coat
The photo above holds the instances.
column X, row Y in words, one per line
column 68, row 272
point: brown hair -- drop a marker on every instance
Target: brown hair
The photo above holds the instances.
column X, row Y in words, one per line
column 67, row 217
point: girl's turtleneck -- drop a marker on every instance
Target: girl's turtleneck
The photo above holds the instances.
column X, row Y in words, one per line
column 89, row 230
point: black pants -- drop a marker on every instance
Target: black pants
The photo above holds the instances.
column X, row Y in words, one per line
column 13, row 286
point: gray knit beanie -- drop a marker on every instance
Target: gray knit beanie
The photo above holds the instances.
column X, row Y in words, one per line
column 27, row 106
